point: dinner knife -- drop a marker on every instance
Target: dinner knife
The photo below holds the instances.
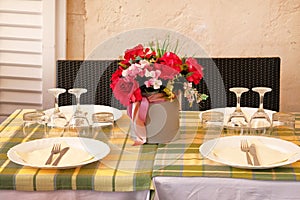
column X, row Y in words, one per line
column 252, row 151
column 61, row 154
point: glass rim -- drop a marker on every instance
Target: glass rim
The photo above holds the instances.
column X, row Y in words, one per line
column 103, row 117
column 33, row 116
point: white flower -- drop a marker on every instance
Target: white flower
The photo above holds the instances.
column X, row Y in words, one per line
column 150, row 73
column 143, row 63
column 157, row 84
column 125, row 73
column 153, row 82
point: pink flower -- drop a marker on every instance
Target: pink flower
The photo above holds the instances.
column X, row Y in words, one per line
column 143, row 66
column 127, row 91
column 153, row 82
column 167, row 72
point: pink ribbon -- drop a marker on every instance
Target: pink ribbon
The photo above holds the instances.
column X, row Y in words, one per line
column 137, row 111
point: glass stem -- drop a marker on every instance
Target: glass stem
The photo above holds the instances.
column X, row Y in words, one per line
column 77, row 103
column 261, row 102
column 56, row 109
column 238, row 100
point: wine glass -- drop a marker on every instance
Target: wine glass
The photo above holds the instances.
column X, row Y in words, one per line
column 57, row 120
column 78, row 123
column 260, row 120
column 103, row 125
column 283, row 126
column 238, row 120
column 34, row 122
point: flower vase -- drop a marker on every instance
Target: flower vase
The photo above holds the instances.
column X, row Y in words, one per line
column 162, row 122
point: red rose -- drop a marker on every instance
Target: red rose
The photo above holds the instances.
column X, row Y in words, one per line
column 194, row 70
column 126, row 91
column 131, row 54
column 172, row 60
column 115, row 77
column 166, row 71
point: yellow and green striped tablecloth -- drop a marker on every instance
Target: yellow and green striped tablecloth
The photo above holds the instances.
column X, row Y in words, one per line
column 126, row 168
column 182, row 158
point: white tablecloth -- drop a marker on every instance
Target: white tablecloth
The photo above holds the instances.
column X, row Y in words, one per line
column 208, row 188
column 72, row 195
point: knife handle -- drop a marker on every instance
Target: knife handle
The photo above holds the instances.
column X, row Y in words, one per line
column 255, row 159
column 62, row 153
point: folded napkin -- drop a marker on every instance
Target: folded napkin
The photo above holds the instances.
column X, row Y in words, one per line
column 267, row 156
column 39, row 157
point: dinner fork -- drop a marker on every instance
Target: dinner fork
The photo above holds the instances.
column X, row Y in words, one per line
column 55, row 150
column 246, row 148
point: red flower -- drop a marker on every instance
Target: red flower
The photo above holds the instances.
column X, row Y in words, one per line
column 172, row 60
column 115, row 77
column 134, row 52
column 166, row 71
column 127, row 91
column 194, row 70
column 143, row 65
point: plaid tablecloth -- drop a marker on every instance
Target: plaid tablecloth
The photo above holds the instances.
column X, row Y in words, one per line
column 182, row 158
column 126, row 168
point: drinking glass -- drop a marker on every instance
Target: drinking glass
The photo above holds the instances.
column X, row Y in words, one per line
column 34, row 122
column 103, row 125
column 212, row 119
column 57, row 120
column 237, row 120
column 260, row 121
column 78, row 124
column 283, row 126
column 212, row 124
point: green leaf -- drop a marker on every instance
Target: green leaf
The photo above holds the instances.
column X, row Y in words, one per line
column 204, row 96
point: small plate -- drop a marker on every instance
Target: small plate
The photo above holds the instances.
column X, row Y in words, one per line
column 233, row 142
column 90, row 109
column 228, row 110
column 96, row 148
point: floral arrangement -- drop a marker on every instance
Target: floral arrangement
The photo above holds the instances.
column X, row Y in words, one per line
column 148, row 70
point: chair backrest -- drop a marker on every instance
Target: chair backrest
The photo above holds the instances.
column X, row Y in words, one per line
column 219, row 75
column 94, row 75
column 240, row 72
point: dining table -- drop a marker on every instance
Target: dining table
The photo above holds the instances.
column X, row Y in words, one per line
column 175, row 170
column 125, row 173
column 181, row 172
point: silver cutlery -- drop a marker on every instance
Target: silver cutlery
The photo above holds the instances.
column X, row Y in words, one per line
column 61, row 154
column 55, row 150
column 246, row 148
column 253, row 153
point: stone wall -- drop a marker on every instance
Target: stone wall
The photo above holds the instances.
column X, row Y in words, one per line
column 236, row 28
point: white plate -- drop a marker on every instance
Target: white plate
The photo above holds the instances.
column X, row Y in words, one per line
column 90, row 109
column 235, row 141
column 96, row 148
column 228, row 110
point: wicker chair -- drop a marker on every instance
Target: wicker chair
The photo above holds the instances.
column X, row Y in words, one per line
column 220, row 75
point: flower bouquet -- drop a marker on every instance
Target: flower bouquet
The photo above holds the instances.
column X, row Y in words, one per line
column 149, row 75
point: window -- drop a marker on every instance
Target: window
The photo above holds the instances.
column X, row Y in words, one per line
column 32, row 38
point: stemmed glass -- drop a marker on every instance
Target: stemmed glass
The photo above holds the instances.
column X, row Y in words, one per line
column 238, row 119
column 78, row 122
column 57, row 120
column 260, row 120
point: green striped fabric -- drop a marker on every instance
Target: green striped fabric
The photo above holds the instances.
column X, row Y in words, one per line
column 182, row 157
column 126, row 168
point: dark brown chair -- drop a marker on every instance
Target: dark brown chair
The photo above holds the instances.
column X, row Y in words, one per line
column 219, row 75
